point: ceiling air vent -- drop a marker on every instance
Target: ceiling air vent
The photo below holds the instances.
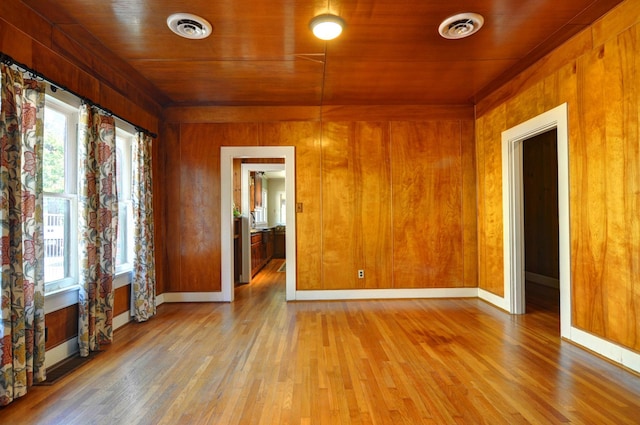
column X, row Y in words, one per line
column 189, row 26
column 461, row 25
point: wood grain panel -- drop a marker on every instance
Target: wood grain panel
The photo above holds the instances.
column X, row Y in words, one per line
column 265, row 54
column 160, row 183
column 356, row 205
column 54, row 52
column 427, row 204
column 616, row 22
column 200, row 209
column 73, row 41
column 229, row 114
column 277, row 82
column 28, row 23
column 199, row 183
column 494, row 96
column 469, row 204
column 15, row 43
column 590, row 206
column 601, row 87
column 342, row 221
column 480, row 187
column 348, row 82
column 606, row 270
column 490, row 234
column 121, row 300
column 123, row 107
column 305, row 136
column 199, row 200
column 622, row 116
column 63, row 72
column 169, row 180
column 396, row 112
column 237, row 184
column 366, row 145
column 373, row 149
column 62, row 325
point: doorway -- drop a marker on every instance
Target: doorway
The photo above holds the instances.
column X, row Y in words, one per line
column 268, row 214
column 540, row 197
column 513, row 214
column 227, row 155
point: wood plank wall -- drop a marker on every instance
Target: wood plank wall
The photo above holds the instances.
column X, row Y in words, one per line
column 390, row 190
column 33, row 41
column 596, row 73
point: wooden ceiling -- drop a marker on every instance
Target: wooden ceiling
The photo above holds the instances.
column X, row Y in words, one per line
column 263, row 53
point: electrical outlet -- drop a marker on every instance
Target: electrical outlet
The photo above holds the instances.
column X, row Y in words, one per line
column 360, row 274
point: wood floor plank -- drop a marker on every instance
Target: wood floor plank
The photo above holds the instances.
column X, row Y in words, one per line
column 264, row 361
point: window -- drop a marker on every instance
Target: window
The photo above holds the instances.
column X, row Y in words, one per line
column 60, row 199
column 283, row 209
column 124, row 250
column 60, row 182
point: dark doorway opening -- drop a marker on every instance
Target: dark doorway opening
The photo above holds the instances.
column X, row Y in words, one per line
column 541, row 230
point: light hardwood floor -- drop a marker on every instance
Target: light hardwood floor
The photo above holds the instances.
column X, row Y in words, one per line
column 261, row 360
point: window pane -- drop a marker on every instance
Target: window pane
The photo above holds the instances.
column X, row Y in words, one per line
column 121, row 253
column 55, row 133
column 56, row 240
column 119, row 174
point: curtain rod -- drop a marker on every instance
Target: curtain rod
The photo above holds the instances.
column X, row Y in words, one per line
column 9, row 61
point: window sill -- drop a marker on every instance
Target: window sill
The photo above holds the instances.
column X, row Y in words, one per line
column 65, row 297
column 61, row 298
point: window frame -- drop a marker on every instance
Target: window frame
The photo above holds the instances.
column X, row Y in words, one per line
column 66, row 105
column 125, row 134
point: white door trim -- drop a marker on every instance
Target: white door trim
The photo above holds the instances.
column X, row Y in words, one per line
column 227, row 154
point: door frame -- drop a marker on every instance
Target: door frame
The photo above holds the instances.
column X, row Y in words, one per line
column 227, row 155
column 513, row 212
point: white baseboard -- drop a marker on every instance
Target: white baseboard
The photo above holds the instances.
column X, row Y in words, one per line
column 540, row 279
column 61, row 352
column 121, row 320
column 371, row 294
column 491, row 298
column 159, row 299
column 191, row 297
column 614, row 352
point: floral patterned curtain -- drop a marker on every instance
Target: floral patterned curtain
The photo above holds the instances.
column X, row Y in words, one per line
column 144, row 268
column 22, row 347
column 97, row 227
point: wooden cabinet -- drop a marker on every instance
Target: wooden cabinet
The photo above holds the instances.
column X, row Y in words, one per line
column 262, row 247
column 256, row 253
column 279, row 245
column 267, row 241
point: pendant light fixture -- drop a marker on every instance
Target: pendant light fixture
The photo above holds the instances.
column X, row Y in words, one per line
column 327, row 26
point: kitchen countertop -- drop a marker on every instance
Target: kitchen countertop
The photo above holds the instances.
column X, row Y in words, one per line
column 263, row 229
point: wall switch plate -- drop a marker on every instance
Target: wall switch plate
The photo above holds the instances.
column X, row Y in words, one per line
column 299, row 207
